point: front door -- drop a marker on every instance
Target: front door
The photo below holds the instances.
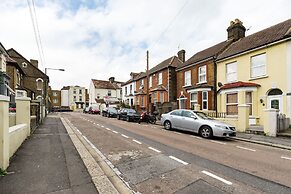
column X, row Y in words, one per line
column 275, row 102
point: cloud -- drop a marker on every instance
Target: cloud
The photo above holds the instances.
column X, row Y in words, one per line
column 99, row 39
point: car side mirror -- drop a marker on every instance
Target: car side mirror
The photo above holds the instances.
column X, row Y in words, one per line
column 194, row 117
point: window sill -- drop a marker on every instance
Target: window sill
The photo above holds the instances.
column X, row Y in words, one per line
column 199, row 83
column 186, row 86
column 259, row 77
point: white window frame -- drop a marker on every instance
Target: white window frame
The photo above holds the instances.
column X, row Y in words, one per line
column 155, row 98
column 142, row 101
column 55, row 100
column 80, row 97
column 193, row 101
column 125, row 90
column 141, row 82
column 250, row 103
column 130, row 89
column 160, row 78
column 263, row 65
column 200, row 75
column 109, row 92
column 151, row 81
column 187, row 78
column 161, row 97
column 226, row 104
column 231, row 73
column 74, row 98
column 204, row 100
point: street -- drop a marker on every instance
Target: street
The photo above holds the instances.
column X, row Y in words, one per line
column 153, row 160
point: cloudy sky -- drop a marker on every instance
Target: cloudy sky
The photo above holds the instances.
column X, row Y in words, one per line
column 103, row 38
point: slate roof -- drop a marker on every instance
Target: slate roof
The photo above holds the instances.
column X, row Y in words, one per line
column 173, row 61
column 131, row 79
column 238, row 84
column 102, row 84
column 269, row 35
column 205, row 54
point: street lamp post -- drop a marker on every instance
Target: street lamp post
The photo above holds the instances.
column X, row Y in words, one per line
column 45, row 71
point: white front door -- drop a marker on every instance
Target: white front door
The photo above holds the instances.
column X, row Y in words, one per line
column 275, row 102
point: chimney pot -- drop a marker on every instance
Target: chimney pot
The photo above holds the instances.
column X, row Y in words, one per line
column 111, row 79
column 236, row 30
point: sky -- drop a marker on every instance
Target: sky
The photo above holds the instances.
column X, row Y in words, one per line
column 98, row 39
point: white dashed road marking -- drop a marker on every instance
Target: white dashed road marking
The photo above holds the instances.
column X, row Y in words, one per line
column 217, row 177
column 115, row 132
column 108, row 129
column 178, row 160
column 124, row 136
column 222, row 143
column 102, row 126
column 151, row 148
column 249, row 149
column 138, row 142
column 284, row 157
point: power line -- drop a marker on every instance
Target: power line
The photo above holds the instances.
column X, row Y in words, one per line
column 36, row 30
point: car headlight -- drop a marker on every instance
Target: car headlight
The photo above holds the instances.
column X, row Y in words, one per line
column 221, row 126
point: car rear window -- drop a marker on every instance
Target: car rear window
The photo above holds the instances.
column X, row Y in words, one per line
column 177, row 113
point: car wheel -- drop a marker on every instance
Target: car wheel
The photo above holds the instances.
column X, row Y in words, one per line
column 205, row 132
column 118, row 117
column 127, row 119
column 167, row 125
column 108, row 115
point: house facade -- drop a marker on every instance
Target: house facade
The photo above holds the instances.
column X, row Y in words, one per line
column 55, row 99
column 161, row 85
column 105, row 93
column 256, row 71
column 128, row 89
column 73, row 97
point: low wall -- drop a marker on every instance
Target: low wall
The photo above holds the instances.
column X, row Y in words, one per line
column 12, row 119
column 230, row 121
column 17, row 134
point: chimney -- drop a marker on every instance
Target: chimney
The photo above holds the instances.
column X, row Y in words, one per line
column 181, row 55
column 236, row 30
column 34, row 62
column 111, row 79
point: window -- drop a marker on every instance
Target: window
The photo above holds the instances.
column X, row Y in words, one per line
column 80, row 91
column 24, row 65
column 137, row 100
column 187, row 78
column 258, row 65
column 155, row 98
column 187, row 114
column 80, row 99
column 160, row 78
column 231, row 72
column 204, row 100
column 75, row 98
column 55, row 100
column 109, row 93
column 193, row 100
column 177, row 112
column 151, row 81
column 125, row 90
column 55, row 94
column 231, row 104
column 130, row 89
column 142, row 101
column 74, row 92
column 249, row 101
column 202, row 74
column 18, row 77
column 162, row 97
column 141, row 82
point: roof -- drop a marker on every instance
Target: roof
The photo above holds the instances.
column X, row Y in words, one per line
column 269, row 35
column 205, row 54
column 173, row 61
column 102, row 84
column 66, row 88
column 133, row 77
column 238, row 84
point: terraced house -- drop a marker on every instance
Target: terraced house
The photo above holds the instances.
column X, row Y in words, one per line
column 161, row 85
column 255, row 70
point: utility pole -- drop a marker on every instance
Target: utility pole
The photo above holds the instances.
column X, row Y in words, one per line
column 147, row 88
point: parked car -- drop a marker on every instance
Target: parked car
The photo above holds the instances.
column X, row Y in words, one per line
column 198, row 122
column 86, row 110
column 109, row 112
column 128, row 115
column 94, row 110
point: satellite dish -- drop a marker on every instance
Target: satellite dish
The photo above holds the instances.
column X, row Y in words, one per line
column 219, row 84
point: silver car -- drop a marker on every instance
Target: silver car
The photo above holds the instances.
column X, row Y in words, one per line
column 197, row 122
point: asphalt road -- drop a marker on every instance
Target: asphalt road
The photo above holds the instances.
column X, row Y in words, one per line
column 152, row 159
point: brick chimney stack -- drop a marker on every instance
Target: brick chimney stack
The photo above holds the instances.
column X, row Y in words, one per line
column 34, row 62
column 181, row 55
column 236, row 30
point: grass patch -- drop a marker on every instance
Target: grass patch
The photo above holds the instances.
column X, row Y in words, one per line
column 2, row 172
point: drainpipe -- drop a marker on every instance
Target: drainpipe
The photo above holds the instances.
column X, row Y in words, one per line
column 215, row 85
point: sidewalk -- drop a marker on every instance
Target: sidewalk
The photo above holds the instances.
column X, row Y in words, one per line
column 47, row 162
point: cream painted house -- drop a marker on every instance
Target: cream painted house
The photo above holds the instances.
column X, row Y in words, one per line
column 73, row 97
column 104, row 93
column 256, row 70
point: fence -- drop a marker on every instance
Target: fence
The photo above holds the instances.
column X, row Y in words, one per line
column 282, row 122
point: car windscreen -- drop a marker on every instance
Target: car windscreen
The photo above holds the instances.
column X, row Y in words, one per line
column 203, row 115
column 112, row 110
column 131, row 111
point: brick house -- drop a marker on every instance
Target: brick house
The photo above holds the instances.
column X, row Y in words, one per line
column 55, row 99
column 33, row 75
column 197, row 77
column 162, row 85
